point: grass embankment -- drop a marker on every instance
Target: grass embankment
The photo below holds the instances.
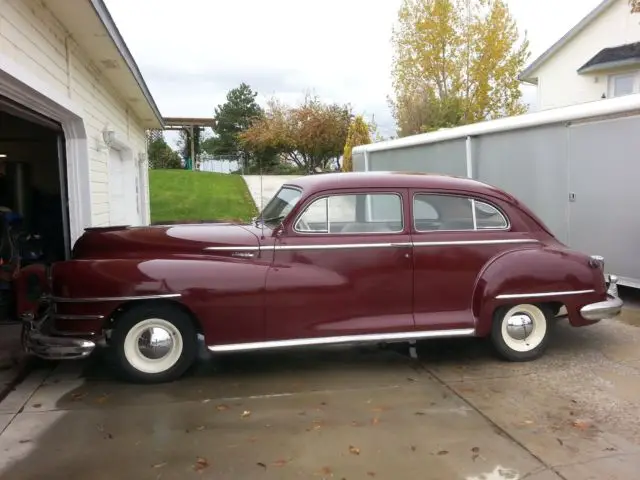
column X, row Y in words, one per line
column 186, row 196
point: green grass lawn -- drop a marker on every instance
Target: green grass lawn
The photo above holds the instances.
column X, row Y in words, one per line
column 186, row 196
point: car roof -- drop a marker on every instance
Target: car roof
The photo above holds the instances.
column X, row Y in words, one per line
column 345, row 180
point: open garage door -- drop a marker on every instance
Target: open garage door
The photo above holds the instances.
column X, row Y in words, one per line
column 34, row 219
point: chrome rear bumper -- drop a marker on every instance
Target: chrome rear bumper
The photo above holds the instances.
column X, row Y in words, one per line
column 39, row 341
column 608, row 308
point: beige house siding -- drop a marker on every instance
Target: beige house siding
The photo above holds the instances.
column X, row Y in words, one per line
column 31, row 36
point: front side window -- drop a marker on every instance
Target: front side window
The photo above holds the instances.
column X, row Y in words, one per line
column 450, row 212
column 280, row 206
column 353, row 213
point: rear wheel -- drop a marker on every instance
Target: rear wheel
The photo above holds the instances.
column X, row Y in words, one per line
column 154, row 344
column 521, row 332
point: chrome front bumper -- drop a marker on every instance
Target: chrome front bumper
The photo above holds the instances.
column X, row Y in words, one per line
column 38, row 340
column 609, row 308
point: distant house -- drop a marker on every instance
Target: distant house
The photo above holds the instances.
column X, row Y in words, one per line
column 598, row 58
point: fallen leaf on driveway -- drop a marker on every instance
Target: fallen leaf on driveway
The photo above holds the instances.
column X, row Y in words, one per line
column 581, row 424
column 380, row 409
column 279, row 463
column 375, row 421
column 159, row 465
column 206, row 400
column 78, row 396
column 371, row 474
column 419, row 413
column 201, row 464
column 413, row 448
column 475, row 449
column 37, row 405
column 356, row 424
column 325, row 471
column 252, row 439
column 442, row 452
column 560, row 441
column 200, row 428
column 354, row 450
column 222, row 408
column 25, row 441
column 260, row 464
column 245, row 414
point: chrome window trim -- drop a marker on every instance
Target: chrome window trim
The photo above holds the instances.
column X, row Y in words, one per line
column 510, row 296
column 473, row 200
column 375, row 337
column 114, row 299
column 347, row 193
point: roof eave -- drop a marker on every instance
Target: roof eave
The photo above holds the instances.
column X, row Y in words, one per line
column 605, row 66
column 108, row 22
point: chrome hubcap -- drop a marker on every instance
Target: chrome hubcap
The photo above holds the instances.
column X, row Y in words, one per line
column 155, row 343
column 519, row 326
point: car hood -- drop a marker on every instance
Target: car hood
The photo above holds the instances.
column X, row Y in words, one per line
column 163, row 239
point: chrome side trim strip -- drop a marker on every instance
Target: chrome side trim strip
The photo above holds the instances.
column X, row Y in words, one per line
column 62, row 316
column 114, row 299
column 543, row 294
column 376, row 337
column 232, row 249
column 476, row 242
column 340, row 246
column 337, row 246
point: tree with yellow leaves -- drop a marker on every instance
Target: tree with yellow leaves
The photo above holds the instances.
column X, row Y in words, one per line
column 358, row 134
column 455, row 62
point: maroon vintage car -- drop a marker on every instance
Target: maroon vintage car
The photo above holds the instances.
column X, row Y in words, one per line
column 334, row 258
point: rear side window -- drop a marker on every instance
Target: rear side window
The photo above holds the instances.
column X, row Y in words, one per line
column 433, row 212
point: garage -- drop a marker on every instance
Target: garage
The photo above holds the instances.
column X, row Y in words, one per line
column 34, row 217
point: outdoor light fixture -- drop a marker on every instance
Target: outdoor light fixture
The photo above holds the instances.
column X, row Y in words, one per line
column 3, row 155
column 109, row 136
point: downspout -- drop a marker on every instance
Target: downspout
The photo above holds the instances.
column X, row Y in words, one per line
column 469, row 152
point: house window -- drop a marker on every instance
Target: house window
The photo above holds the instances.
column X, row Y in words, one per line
column 353, row 213
column 624, row 84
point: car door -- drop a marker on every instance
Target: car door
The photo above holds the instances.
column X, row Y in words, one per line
column 342, row 267
column 454, row 236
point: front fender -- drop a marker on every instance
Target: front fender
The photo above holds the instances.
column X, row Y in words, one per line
column 540, row 275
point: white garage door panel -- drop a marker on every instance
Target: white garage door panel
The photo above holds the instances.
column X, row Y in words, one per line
column 124, row 201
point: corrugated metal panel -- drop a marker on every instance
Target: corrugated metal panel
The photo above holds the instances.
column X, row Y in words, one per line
column 532, row 165
column 604, row 175
column 447, row 158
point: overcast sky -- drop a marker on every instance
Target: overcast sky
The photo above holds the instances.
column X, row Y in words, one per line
column 191, row 52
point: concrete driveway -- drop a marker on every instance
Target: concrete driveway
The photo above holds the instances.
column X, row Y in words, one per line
column 334, row 413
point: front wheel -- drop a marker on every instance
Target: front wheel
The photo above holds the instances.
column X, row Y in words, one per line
column 154, row 344
column 521, row 332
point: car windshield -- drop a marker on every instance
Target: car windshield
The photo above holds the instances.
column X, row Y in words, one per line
column 279, row 206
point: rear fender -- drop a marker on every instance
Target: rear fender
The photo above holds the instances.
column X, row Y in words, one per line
column 539, row 275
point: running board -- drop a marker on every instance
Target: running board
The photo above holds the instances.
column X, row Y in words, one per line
column 378, row 337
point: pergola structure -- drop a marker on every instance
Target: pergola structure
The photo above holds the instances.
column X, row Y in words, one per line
column 188, row 124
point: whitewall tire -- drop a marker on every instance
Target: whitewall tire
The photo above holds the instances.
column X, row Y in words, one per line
column 154, row 343
column 522, row 332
